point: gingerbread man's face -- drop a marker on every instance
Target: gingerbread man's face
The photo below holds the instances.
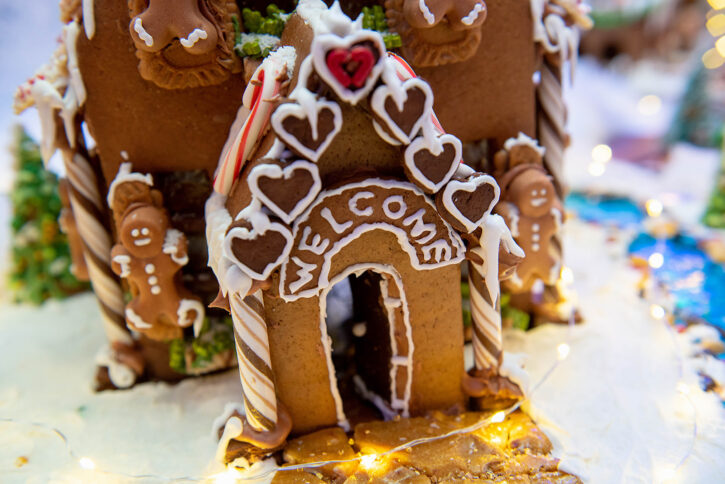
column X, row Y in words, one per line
column 143, row 231
column 533, row 193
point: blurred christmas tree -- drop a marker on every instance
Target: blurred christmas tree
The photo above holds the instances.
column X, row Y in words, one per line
column 41, row 262
column 715, row 212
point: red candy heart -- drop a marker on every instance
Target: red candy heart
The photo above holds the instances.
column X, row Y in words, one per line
column 351, row 66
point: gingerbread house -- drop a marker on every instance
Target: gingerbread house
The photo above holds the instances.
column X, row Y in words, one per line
column 343, row 172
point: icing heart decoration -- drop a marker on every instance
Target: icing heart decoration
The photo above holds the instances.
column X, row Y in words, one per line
column 431, row 167
column 350, row 65
column 466, row 203
column 309, row 131
column 287, row 190
column 258, row 251
column 404, row 120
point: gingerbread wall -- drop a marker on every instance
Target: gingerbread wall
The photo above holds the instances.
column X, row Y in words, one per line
column 491, row 95
column 160, row 130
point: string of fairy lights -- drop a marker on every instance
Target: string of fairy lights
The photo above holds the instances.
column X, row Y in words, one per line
column 714, row 57
column 367, row 461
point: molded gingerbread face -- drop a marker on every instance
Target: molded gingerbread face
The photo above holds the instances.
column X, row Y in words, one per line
column 437, row 32
column 143, row 231
column 533, row 193
column 184, row 43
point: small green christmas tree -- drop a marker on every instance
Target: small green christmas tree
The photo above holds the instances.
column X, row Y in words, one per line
column 40, row 255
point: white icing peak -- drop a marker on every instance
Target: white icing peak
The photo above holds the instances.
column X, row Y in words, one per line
column 126, row 175
column 552, row 32
column 89, row 20
column 325, row 20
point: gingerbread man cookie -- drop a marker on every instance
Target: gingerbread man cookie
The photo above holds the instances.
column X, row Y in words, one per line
column 149, row 256
column 534, row 213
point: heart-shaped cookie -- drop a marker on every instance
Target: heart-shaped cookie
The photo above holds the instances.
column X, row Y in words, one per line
column 430, row 167
column 350, row 65
column 403, row 120
column 308, row 131
column 258, row 251
column 287, row 190
column 465, row 203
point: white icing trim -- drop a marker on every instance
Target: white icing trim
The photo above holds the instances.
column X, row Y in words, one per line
column 372, row 397
column 553, row 34
column 469, row 185
column 89, row 20
column 142, row 34
column 324, row 20
column 171, row 246
column 125, row 175
column 186, row 305
column 258, row 230
column 309, row 112
column 125, row 262
column 427, row 14
column 136, row 320
column 495, row 233
column 522, row 139
column 399, row 92
column 195, row 36
column 433, row 250
column 121, row 375
column 436, row 148
column 384, row 134
column 271, row 170
column 473, row 14
column 324, row 43
column 233, row 428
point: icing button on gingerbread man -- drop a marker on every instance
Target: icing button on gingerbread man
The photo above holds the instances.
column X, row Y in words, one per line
column 149, row 256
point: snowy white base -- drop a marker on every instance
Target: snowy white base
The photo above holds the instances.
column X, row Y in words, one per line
column 612, row 408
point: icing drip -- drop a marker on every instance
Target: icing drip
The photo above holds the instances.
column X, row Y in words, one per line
column 191, row 40
column 472, row 15
column 125, row 175
column 325, row 20
column 554, row 34
column 120, row 375
column 142, row 34
column 171, row 246
column 89, row 20
column 428, row 15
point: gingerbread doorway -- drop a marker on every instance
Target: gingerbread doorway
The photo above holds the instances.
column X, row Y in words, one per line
column 380, row 345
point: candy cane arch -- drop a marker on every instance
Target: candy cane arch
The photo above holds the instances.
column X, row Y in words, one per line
column 485, row 292
column 258, row 103
column 89, row 210
column 255, row 363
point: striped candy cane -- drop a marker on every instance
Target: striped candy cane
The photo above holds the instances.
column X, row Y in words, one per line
column 258, row 103
column 255, row 364
column 89, row 210
column 486, row 293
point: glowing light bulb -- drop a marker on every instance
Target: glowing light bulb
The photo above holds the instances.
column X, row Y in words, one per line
column 654, row 208
column 229, row 476
column 596, row 169
column 649, row 105
column 86, row 463
column 657, row 311
column 720, row 46
column 498, row 417
column 562, row 351
column 368, row 461
column 656, row 260
column 683, row 388
column 716, row 25
column 717, row 4
column 601, row 153
column 664, row 474
column 567, row 275
column 712, row 59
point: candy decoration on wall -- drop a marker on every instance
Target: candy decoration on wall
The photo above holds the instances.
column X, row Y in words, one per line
column 255, row 363
column 259, row 100
column 89, row 210
column 483, row 281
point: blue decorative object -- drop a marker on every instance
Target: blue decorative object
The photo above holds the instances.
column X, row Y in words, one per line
column 606, row 210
